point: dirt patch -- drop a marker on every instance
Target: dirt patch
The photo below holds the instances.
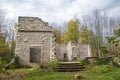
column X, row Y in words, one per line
column 13, row 74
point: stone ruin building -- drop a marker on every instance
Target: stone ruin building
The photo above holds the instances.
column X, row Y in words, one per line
column 36, row 43
column 72, row 51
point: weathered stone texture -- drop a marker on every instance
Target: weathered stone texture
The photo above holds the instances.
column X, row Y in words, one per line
column 32, row 24
column 60, row 50
column 73, row 50
column 34, row 32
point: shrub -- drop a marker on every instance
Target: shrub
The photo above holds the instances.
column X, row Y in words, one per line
column 116, row 61
column 105, row 60
column 81, row 62
column 14, row 66
column 105, row 69
column 101, row 69
column 2, row 65
column 50, row 66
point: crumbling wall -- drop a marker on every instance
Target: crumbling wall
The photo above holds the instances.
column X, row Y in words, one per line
column 60, row 50
column 33, row 32
column 73, row 50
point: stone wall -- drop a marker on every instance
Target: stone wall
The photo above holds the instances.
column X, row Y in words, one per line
column 34, row 32
column 73, row 50
column 60, row 50
column 79, row 50
column 82, row 51
column 33, row 24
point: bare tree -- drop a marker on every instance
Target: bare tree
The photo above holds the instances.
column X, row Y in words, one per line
column 6, row 25
column 102, row 26
column 2, row 16
column 7, row 29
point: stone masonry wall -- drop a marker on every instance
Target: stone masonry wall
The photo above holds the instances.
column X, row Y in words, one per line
column 34, row 32
column 73, row 50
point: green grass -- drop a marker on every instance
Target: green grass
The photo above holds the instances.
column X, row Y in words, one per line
column 101, row 72
column 39, row 75
column 94, row 72
column 98, row 72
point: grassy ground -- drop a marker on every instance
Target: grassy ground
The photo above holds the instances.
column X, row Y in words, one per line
column 96, row 72
column 36, row 75
column 14, row 74
column 101, row 72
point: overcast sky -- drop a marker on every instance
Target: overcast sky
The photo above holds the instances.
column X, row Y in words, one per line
column 59, row 11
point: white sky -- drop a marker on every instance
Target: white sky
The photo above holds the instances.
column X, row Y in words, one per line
column 59, row 11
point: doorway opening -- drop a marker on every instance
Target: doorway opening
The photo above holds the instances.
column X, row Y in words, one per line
column 65, row 57
column 35, row 54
